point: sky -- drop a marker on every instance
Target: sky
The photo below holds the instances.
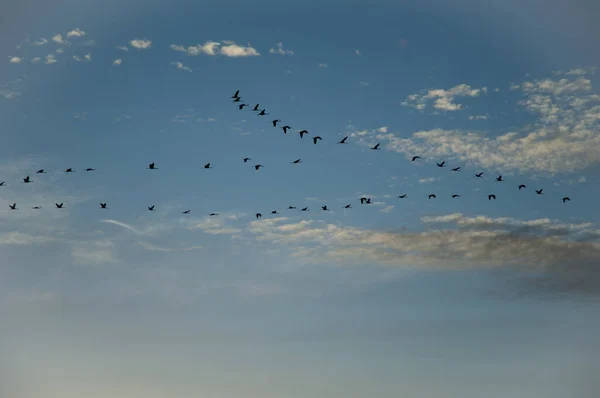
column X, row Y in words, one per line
column 404, row 296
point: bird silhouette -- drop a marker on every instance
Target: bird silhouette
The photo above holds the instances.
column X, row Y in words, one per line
column 302, row 133
column 186, row 212
column 90, row 169
column 291, row 207
column 522, row 186
column 69, row 170
column 58, row 205
column 285, row 129
column 343, row 141
column 151, row 208
column 151, row 166
column 376, row 146
column 539, row 192
column 213, row 214
column 348, row 207
column 566, row 199
column 456, row 169
column 207, row 166
column 36, row 207
column 275, row 122
column 40, row 171
column 238, row 99
column 246, row 159
column 103, row 206
column 415, row 158
column 258, row 215
column 27, row 180
column 432, row 196
column 499, row 179
column 256, row 108
column 2, row 184
column 480, row 175
column 455, row 196
column 305, row 209
column 236, row 95
column 13, row 206
column 297, row 161
column 402, row 196
column 363, row 200
column 368, row 201
column 241, row 106
column 441, row 164
column 324, row 208
column 490, row 197
column 258, row 166
column 315, row 139
column 274, row 212
column 262, row 113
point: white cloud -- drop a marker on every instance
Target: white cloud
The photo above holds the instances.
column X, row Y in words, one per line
column 149, row 246
column 226, row 48
column 117, row 61
column 141, row 44
column 96, row 253
column 15, row 60
column 230, row 49
column 89, row 43
column 22, row 239
column 9, row 94
column 213, row 226
column 322, row 65
column 123, row 48
column 85, row 58
column 557, row 87
column 387, row 209
column 428, row 180
column 357, row 52
column 35, row 60
column 478, row 117
column 58, row 38
column 278, row 49
column 76, row 33
column 442, row 99
column 59, row 51
column 40, row 42
column 50, row 59
column 181, row 66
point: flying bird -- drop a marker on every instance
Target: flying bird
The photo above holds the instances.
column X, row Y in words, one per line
column 343, row 141
column 27, row 180
column 40, row 171
column 480, row 175
column 302, row 133
column 103, row 205
column 258, row 215
column 258, row 166
column 291, row 207
column 13, row 206
column 241, row 106
column 236, row 95
column 566, row 199
column 246, row 159
column 36, row 207
column 522, row 186
column 315, row 139
column 285, row 129
column 376, row 146
column 207, row 166
column 151, row 208
column 402, row 196
column 90, row 169
column 262, row 113
column 275, row 122
column 432, row 196
column 186, row 212
column 455, row 196
column 69, row 170
column 324, row 208
column 213, row 214
column 441, row 164
column 456, row 169
column 59, row 205
column 348, row 207
column 490, row 197
column 274, row 212
column 415, row 158
column 499, row 179
column 305, row 209
column 238, row 99
column 363, row 200
column 368, row 201
column 539, row 192
column 2, row 184
column 297, row 161
column 256, row 108
column 152, row 167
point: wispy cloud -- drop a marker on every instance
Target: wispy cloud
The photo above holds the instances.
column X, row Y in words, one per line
column 117, row 61
column 40, row 42
column 85, row 58
column 50, row 59
column 141, row 44
column 149, row 246
column 442, row 99
column 58, row 38
column 278, row 49
column 181, row 66
column 123, row 48
column 226, row 48
column 357, row 52
column 428, row 180
column 366, row 84
column 478, row 117
column 15, row 60
column 76, row 33
column 93, row 253
column 323, row 65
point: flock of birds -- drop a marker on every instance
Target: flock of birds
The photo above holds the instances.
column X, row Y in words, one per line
column 285, row 128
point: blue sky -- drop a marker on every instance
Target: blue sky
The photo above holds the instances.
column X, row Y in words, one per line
column 453, row 297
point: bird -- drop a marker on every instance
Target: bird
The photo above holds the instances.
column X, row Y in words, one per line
column 236, row 95
column 246, row 159
column 238, row 99
column 186, row 212
column 151, row 208
column 348, row 207
column 103, row 206
column 256, row 108
column 376, row 146
column 441, row 164
column 490, row 197
column 274, row 212
column 275, row 122
column 455, row 196
column 415, row 158
column 315, row 139
column 285, row 129
column 297, row 161
column 363, row 200
column 343, row 141
column 324, row 208
column 13, row 206
column 566, row 199
column 302, row 133
column 90, row 169
column 59, row 205
column 40, row 171
column 291, row 207
column 258, row 215
column 241, row 106
column 207, row 166
column 368, row 201
column 456, row 169
column 262, row 113
column 479, row 175
column 402, row 196
column 522, row 186
column 27, row 180
column 305, row 209
column 213, row 214
column 2, row 184
column 36, row 207
column 258, row 166
column 431, row 196
column 499, row 178
column 151, row 166
column 539, row 192
column 69, row 170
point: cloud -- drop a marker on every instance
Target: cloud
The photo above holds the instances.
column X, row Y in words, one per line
column 35, row 60
column 15, row 60
column 428, row 180
column 95, row 253
column 212, row 48
column 58, row 38
column 141, row 44
column 478, row 117
column 22, row 239
column 442, row 99
column 117, row 61
column 50, row 59
column 40, row 42
column 85, row 58
column 213, row 226
column 366, row 84
column 387, row 209
column 357, row 52
column 123, row 48
column 557, row 87
column 89, row 43
column 76, row 33
column 181, row 66
column 122, row 225
column 322, row 65
column 59, row 51
column 9, row 94
column 278, row 49
column 149, row 246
